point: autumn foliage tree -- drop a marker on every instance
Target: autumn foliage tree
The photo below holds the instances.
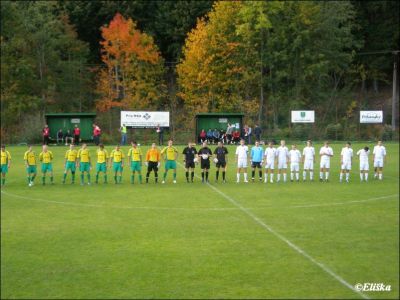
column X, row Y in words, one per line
column 133, row 73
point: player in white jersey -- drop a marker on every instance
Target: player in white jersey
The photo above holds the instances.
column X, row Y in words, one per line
column 294, row 159
column 282, row 153
column 346, row 157
column 242, row 152
column 379, row 159
column 325, row 153
column 269, row 157
column 364, row 163
column 308, row 160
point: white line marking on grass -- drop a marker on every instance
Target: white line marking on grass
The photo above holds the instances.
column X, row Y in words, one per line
column 344, row 203
column 284, row 239
column 121, row 207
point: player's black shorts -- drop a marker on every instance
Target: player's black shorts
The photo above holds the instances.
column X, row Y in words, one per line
column 256, row 165
column 221, row 164
column 153, row 165
column 205, row 164
column 189, row 164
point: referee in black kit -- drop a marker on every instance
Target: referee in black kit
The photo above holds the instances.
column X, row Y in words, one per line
column 205, row 154
column 189, row 154
column 220, row 154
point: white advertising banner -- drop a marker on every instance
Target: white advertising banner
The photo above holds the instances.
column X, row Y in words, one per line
column 371, row 116
column 303, row 116
column 145, row 119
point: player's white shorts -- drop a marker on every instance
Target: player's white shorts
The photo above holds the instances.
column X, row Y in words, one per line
column 242, row 163
column 378, row 163
column 270, row 164
column 346, row 165
column 308, row 164
column 364, row 166
column 294, row 167
column 325, row 164
column 282, row 165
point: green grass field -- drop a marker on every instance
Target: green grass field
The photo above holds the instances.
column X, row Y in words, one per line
column 255, row 240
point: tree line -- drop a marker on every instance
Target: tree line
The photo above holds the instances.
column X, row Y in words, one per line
column 263, row 58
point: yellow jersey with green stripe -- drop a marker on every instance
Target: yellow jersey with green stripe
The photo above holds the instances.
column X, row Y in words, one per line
column 170, row 152
column 84, row 155
column 102, row 156
column 30, row 157
column 135, row 154
column 117, row 155
column 71, row 155
column 46, row 157
column 5, row 157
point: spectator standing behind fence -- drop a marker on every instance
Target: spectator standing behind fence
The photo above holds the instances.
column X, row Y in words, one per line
column 236, row 137
column 77, row 135
column 229, row 131
column 123, row 134
column 96, row 134
column 202, row 136
column 257, row 132
column 160, row 133
column 46, row 134
column 209, row 136
column 249, row 134
column 60, row 136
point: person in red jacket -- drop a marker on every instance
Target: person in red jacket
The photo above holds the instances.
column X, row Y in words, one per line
column 236, row 137
column 46, row 134
column 202, row 136
column 96, row 134
column 77, row 135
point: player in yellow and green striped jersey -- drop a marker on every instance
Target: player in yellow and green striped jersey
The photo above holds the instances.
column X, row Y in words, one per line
column 135, row 157
column 5, row 163
column 117, row 158
column 30, row 163
column 85, row 163
column 70, row 163
column 46, row 157
column 101, row 164
column 170, row 154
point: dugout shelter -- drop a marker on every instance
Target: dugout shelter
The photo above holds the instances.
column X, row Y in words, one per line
column 218, row 120
column 65, row 121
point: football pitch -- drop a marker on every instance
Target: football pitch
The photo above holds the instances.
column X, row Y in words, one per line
column 194, row 240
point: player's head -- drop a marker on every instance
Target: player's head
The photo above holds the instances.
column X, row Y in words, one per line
column 257, row 143
column 189, row 144
column 117, row 147
column 84, row 146
column 348, row 144
column 3, row 147
column 46, row 125
column 153, row 146
column 29, row 147
column 242, row 142
column 283, row 143
column 220, row 144
column 134, row 144
column 71, row 146
column 44, row 147
column 270, row 144
column 326, row 143
column 101, row 146
column 205, row 144
column 76, row 125
column 366, row 148
column 294, row 146
column 379, row 143
column 170, row 143
column 309, row 143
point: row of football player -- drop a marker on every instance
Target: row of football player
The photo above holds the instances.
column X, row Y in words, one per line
column 272, row 156
column 282, row 157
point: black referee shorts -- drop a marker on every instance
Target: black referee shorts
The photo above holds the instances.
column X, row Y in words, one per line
column 189, row 164
column 205, row 164
column 221, row 164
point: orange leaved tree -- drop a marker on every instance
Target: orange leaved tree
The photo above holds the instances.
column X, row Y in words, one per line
column 133, row 74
